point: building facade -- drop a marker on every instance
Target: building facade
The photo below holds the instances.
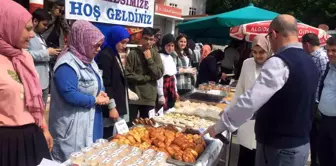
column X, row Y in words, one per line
column 188, row 7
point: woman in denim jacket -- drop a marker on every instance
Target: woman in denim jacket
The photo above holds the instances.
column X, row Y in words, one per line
column 76, row 93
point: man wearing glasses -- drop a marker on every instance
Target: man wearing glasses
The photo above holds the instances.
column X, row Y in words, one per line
column 283, row 98
column 143, row 68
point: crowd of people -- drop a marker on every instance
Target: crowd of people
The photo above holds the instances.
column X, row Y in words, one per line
column 285, row 89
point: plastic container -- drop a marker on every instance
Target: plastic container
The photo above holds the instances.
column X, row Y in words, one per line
column 161, row 155
column 102, row 154
column 113, row 145
column 97, row 146
column 147, row 157
column 128, row 160
column 117, row 163
column 136, row 150
column 114, row 157
column 106, row 162
column 102, row 141
column 88, row 151
column 140, row 162
column 94, row 160
column 160, row 161
column 152, row 163
column 135, row 155
column 123, row 150
column 77, row 158
column 150, row 152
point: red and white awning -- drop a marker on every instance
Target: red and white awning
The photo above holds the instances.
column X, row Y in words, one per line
column 251, row 30
column 35, row 4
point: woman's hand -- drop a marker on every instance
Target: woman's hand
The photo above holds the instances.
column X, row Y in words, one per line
column 162, row 100
column 223, row 77
column 49, row 139
column 102, row 99
column 113, row 114
column 177, row 96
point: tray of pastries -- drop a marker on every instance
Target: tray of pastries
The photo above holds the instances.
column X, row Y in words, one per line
column 202, row 110
column 180, row 148
column 184, row 121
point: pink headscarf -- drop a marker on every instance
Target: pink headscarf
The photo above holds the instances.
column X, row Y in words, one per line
column 13, row 20
column 82, row 39
column 206, row 49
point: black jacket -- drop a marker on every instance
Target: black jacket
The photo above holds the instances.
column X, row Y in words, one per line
column 209, row 69
column 114, row 80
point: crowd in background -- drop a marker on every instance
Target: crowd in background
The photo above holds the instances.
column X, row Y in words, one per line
column 92, row 86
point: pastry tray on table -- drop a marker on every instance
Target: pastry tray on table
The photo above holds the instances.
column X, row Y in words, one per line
column 212, row 97
column 209, row 149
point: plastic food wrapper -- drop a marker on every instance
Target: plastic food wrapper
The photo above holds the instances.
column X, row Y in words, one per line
column 136, row 150
column 152, row 163
column 88, row 151
column 140, row 162
column 128, row 160
column 160, row 161
column 113, row 144
column 102, row 154
column 147, row 157
column 102, row 141
column 123, row 151
column 161, row 155
column 97, row 146
column 93, row 160
column 106, row 162
column 77, row 158
column 150, row 152
column 117, row 163
column 135, row 155
column 114, row 157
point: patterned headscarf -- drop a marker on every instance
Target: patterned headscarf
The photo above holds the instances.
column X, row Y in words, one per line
column 13, row 20
column 82, row 40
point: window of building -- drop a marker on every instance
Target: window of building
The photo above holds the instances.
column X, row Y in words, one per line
column 173, row 4
column 192, row 11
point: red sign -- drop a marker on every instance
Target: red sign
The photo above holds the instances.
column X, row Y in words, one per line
column 260, row 28
column 167, row 10
column 304, row 29
column 234, row 29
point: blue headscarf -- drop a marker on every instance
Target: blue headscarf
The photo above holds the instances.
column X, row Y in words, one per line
column 113, row 36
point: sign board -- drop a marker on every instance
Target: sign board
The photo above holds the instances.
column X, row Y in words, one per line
column 121, row 127
column 136, row 13
column 151, row 113
column 168, row 10
column 160, row 112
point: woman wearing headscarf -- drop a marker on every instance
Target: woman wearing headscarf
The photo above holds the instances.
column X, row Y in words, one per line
column 206, row 49
column 75, row 118
column 23, row 130
column 185, row 73
column 209, row 69
column 110, row 64
column 167, row 90
column 261, row 51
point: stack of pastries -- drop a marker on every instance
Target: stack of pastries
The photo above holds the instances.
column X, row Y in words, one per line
column 177, row 145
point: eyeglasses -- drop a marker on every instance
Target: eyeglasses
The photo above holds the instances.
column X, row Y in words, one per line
column 270, row 33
